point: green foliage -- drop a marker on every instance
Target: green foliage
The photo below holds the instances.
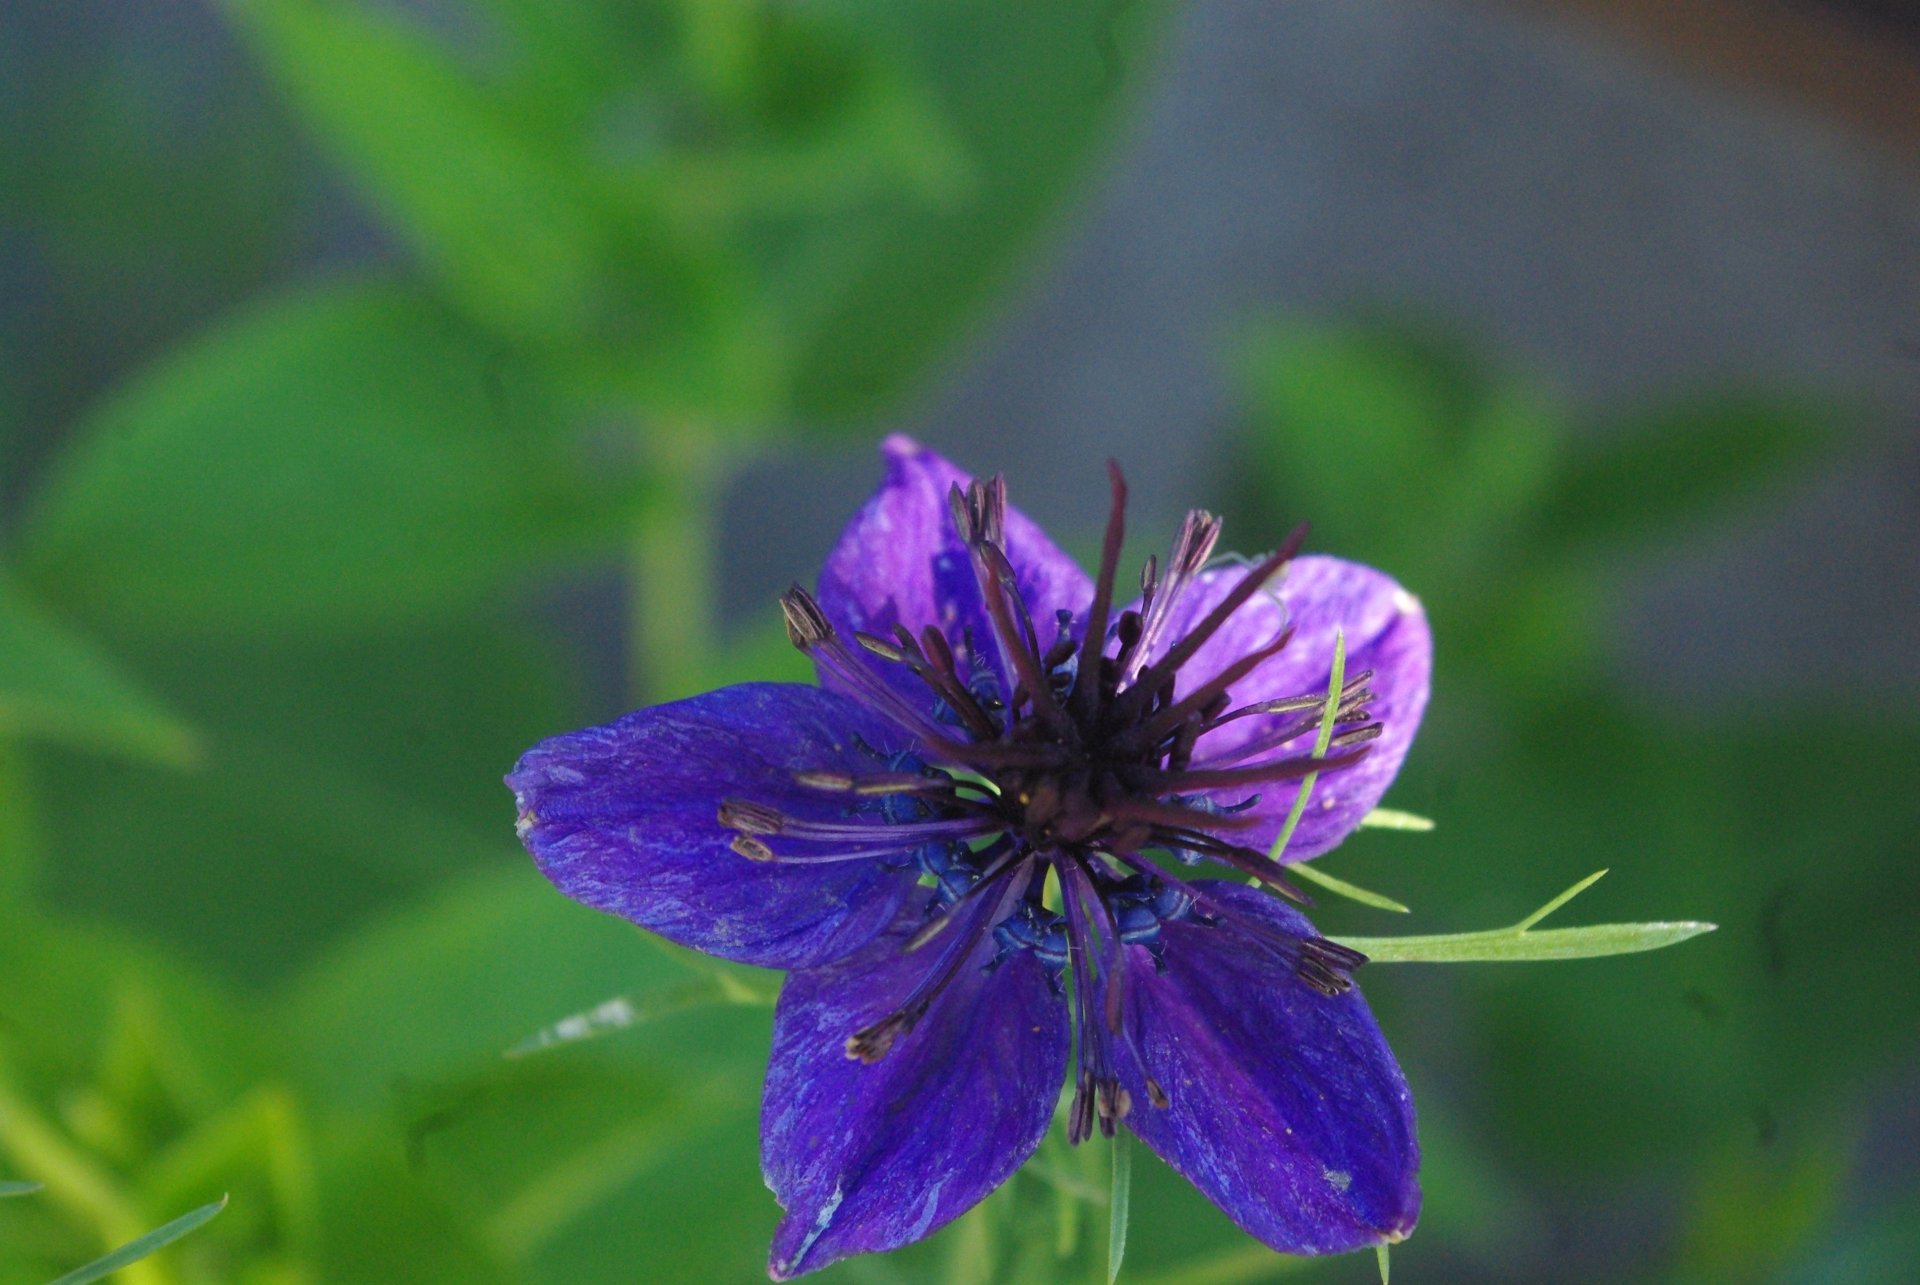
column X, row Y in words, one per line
column 341, row 460
column 1521, row 943
column 719, row 211
column 143, row 1247
column 57, row 685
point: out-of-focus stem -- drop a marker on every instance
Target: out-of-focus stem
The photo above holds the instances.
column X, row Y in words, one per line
column 18, row 845
column 673, row 564
column 73, row 1181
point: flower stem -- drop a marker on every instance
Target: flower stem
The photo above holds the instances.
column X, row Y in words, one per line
column 18, row 848
column 672, row 565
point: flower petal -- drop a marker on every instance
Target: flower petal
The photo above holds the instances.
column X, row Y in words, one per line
column 624, row 818
column 868, row 1157
column 1286, row 1108
column 1386, row 632
column 900, row 561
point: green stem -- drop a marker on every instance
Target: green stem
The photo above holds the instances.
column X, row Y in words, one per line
column 73, row 1181
column 673, row 564
column 18, row 846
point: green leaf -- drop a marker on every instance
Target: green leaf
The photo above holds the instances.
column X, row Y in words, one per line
column 337, row 776
column 58, row 685
column 620, row 1013
column 492, row 205
column 1446, row 442
column 1031, row 93
column 10, row 1188
column 1521, row 943
column 1684, row 461
column 441, row 990
column 1393, row 819
column 1386, row 1271
column 345, row 457
column 1119, row 1204
column 1321, row 740
column 1353, row 892
column 151, row 1243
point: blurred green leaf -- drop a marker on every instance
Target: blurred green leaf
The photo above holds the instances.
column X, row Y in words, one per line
column 1031, row 92
column 1394, row 819
column 151, row 1243
column 54, row 683
column 1683, row 463
column 1119, row 1203
column 441, row 990
column 620, row 1013
column 1387, row 433
column 492, row 204
column 337, row 776
column 346, row 457
column 725, row 212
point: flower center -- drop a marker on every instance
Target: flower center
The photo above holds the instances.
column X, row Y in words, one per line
column 1076, row 755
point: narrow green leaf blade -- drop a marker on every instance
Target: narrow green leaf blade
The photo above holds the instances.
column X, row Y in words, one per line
column 1386, row 1270
column 1394, row 819
column 1320, row 743
column 135, row 1250
column 619, row 1013
column 57, row 685
column 1504, row 945
column 18, row 1189
column 1559, row 901
column 1119, row 1204
column 1352, row 891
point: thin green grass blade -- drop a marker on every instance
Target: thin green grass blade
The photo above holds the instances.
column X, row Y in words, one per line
column 1505, row 945
column 1386, row 1269
column 19, row 1189
column 1559, row 901
column 1394, row 819
column 1320, row 743
column 1119, row 1205
column 619, row 1013
column 135, row 1250
column 1351, row 891
column 1520, row 942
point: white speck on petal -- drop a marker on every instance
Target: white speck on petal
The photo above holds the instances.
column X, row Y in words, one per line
column 819, row 1228
column 1338, row 1179
column 526, row 822
column 1406, row 603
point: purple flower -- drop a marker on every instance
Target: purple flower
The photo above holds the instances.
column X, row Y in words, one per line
column 970, row 847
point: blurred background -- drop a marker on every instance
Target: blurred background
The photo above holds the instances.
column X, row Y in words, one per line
column 387, row 384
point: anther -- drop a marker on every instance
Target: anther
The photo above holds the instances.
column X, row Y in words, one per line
column 838, row 782
column 879, row 646
column 750, row 818
column 751, row 848
column 1157, row 1095
column 807, row 625
column 871, row 1043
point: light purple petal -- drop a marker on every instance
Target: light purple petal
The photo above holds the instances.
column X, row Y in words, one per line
column 868, row 1157
column 624, row 818
column 900, row 561
column 1386, row 632
column 1286, row 1108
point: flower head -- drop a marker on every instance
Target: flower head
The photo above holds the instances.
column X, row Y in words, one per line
column 971, row 847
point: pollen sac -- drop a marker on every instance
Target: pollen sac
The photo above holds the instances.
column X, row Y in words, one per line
column 1036, row 929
